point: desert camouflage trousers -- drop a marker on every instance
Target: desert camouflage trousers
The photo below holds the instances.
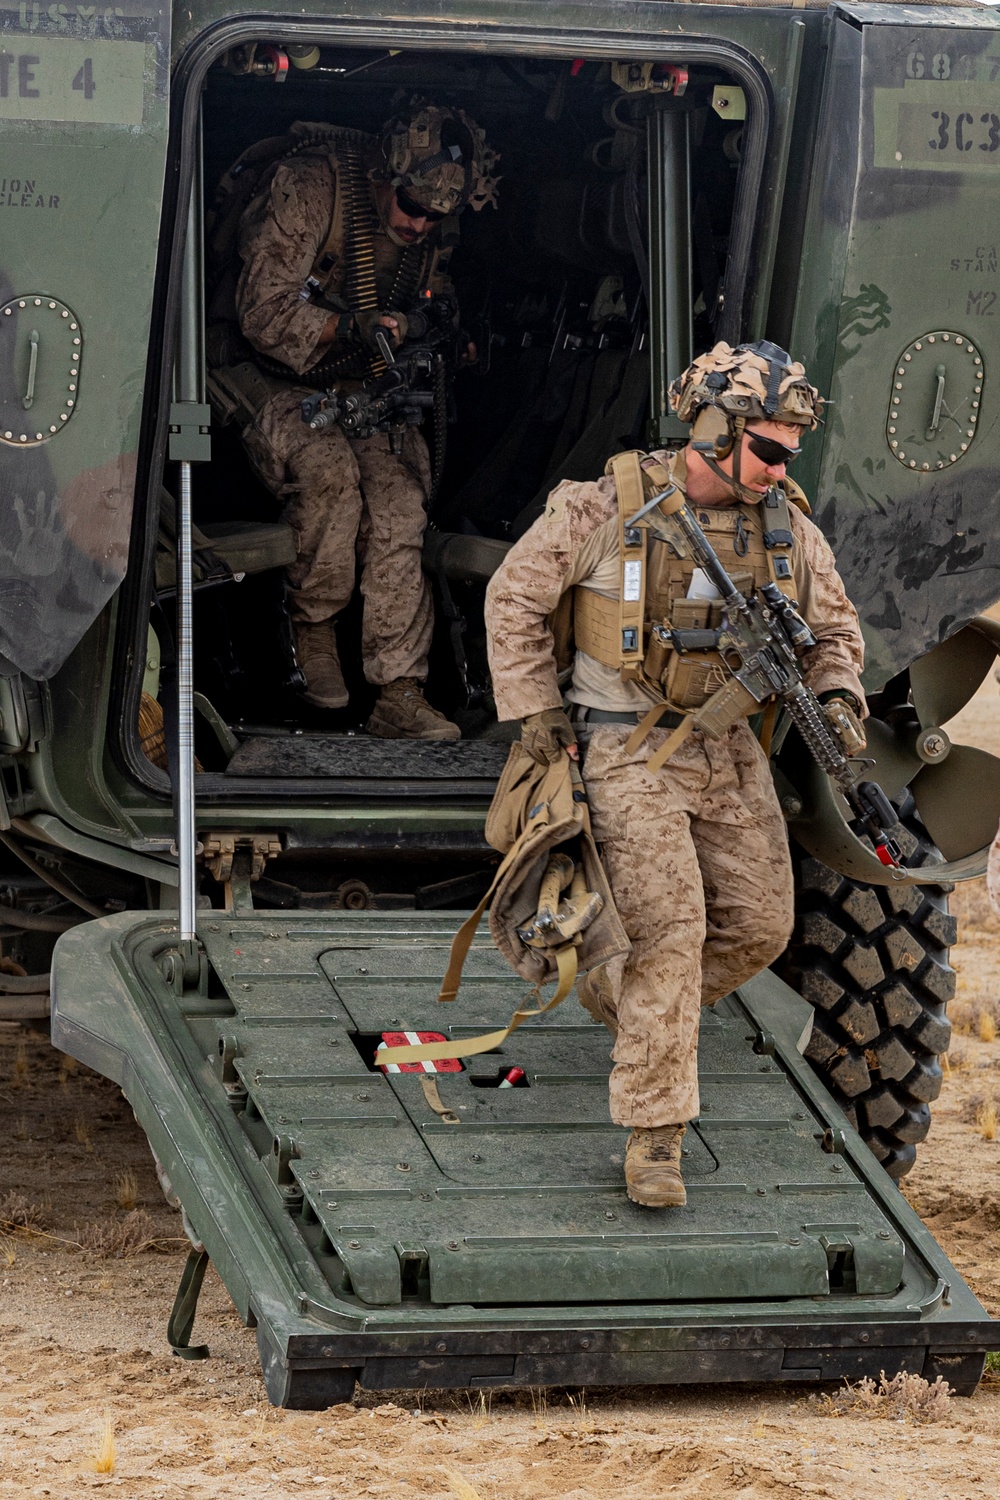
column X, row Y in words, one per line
column 697, row 856
column 350, row 501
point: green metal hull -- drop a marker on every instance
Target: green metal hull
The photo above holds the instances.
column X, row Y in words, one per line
column 368, row 1239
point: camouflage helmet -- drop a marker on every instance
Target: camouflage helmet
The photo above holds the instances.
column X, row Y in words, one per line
column 439, row 157
column 755, row 382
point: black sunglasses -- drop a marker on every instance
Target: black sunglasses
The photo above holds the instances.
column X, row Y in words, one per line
column 769, row 451
column 413, row 210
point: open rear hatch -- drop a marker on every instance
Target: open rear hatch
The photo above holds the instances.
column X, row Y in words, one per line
column 370, row 1236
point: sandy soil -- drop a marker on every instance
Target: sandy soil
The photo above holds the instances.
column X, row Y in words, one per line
column 84, row 1364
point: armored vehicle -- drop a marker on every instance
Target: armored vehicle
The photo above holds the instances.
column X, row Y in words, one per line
column 252, row 896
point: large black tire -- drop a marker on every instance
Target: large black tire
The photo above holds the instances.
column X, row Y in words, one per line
column 873, row 962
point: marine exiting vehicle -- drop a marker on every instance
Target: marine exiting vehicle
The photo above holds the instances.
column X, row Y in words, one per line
column 255, row 896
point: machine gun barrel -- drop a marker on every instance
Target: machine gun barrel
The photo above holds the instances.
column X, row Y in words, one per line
column 761, row 640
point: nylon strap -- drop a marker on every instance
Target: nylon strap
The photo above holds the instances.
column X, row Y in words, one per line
column 776, row 518
column 767, row 727
column 432, row 1094
column 186, row 1305
column 673, row 742
column 627, row 471
column 566, row 964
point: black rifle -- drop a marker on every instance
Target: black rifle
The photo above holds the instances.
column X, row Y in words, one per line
column 413, row 382
column 760, row 641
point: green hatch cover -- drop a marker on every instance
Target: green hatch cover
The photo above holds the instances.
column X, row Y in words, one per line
column 368, row 1237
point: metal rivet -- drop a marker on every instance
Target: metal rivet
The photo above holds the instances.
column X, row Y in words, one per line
column 959, row 339
column 931, row 339
column 402, row 1166
column 53, row 428
column 441, row 1348
column 908, row 356
column 913, row 463
column 475, row 1156
column 70, row 403
column 354, row 1244
column 761, row 1192
column 39, row 436
column 970, row 432
column 64, row 417
column 953, row 457
column 795, row 1242
column 925, row 466
column 6, row 312
column 21, row 303
column 899, row 385
column 72, row 387
column 884, row 1234
column 453, row 1244
column 24, row 437
column 76, row 341
column 893, row 445
column 975, row 406
column 584, row 1343
column 918, row 345
column 73, row 325
column 963, row 446
column 38, row 301
column 609, row 1213
column 892, row 429
column 8, row 434
column 52, row 305
column 864, row 1338
column 65, row 314
column 946, row 337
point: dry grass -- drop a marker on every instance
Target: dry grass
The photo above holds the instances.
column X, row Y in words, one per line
column 460, row 1486
column 8, row 1253
column 117, row 1239
column 104, row 1457
column 977, row 1016
column 21, row 1065
column 986, row 1122
column 81, row 1133
column 907, row 1398
column 18, row 1212
column 126, row 1189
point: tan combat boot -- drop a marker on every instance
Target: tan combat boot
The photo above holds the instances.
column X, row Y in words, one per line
column 403, row 713
column 594, row 993
column 316, row 651
column 653, row 1167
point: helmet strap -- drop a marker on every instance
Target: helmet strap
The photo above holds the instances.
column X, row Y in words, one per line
column 737, row 427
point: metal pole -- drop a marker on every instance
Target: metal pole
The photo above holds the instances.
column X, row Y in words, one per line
column 188, row 442
column 669, row 260
column 185, row 713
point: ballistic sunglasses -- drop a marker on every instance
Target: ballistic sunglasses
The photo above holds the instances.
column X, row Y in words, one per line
column 414, row 210
column 769, row 451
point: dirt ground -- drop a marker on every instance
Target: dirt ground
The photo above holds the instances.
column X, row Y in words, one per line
column 91, row 1398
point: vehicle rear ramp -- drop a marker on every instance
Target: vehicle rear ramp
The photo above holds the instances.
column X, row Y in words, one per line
column 370, row 1237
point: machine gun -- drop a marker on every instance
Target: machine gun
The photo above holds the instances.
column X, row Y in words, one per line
column 414, row 381
column 760, row 641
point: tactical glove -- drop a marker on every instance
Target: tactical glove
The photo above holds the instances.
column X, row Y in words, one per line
column 843, row 719
column 547, row 736
column 368, row 323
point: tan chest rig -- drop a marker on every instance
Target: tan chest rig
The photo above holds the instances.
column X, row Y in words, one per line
column 632, row 633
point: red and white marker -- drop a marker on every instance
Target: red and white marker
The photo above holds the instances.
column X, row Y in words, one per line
column 392, row 1039
column 511, row 1079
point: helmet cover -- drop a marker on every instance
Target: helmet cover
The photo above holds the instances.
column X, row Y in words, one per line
column 439, row 157
column 756, row 382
